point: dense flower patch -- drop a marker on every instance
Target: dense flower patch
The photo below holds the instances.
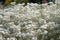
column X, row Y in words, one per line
column 32, row 22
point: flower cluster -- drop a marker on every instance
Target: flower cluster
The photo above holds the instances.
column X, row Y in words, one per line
column 31, row 22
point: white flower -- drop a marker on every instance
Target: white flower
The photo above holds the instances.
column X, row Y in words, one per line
column 44, row 26
column 45, row 32
column 1, row 16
